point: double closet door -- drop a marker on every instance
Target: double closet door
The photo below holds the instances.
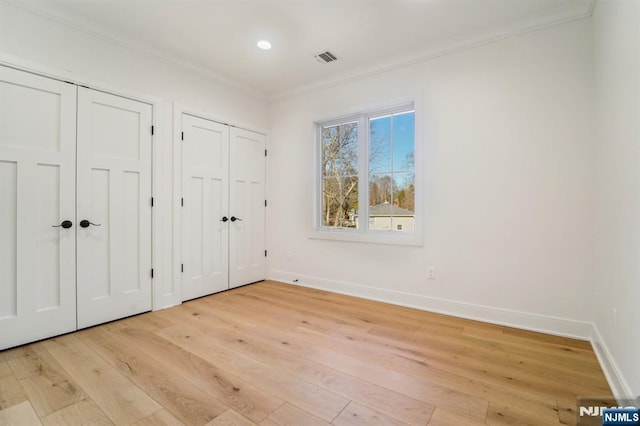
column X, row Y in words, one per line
column 223, row 212
column 75, row 213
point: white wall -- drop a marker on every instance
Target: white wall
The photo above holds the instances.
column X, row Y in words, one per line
column 28, row 39
column 79, row 55
column 617, row 76
column 507, row 144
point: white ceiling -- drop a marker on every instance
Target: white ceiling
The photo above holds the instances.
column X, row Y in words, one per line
column 219, row 36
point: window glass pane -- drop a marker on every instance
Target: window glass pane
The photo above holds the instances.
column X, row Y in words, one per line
column 391, row 173
column 403, row 142
column 380, row 189
column 340, row 175
column 403, row 223
column 380, row 144
column 392, row 199
column 380, row 201
column 340, row 202
column 404, row 195
column 340, row 150
column 404, row 202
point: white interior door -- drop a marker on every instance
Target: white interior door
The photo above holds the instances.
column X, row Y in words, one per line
column 114, row 194
column 247, row 257
column 205, row 187
column 37, row 191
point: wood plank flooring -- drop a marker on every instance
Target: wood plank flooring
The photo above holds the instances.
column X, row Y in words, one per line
column 277, row 354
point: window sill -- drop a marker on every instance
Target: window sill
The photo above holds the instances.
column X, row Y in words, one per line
column 393, row 238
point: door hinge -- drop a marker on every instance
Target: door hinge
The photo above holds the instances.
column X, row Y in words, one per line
column 182, row 136
column 265, row 203
column 182, row 202
column 152, row 130
column 151, row 272
column 182, row 267
column 265, row 253
column 265, row 152
column 151, row 201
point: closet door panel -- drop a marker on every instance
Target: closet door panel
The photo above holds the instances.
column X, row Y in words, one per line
column 205, row 189
column 37, row 192
column 114, row 194
column 247, row 198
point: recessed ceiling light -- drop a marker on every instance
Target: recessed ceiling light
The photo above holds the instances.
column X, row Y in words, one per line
column 264, row 45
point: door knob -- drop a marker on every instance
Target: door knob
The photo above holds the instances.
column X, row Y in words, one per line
column 85, row 223
column 233, row 219
column 224, row 219
column 65, row 224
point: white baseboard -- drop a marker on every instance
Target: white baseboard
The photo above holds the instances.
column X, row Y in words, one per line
column 582, row 330
column 618, row 385
column 545, row 324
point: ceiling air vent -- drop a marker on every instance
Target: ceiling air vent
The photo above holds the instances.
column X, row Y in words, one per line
column 326, row 57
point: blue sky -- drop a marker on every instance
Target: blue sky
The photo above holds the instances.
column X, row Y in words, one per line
column 392, row 139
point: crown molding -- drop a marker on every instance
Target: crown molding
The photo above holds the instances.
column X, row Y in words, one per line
column 276, row 96
column 427, row 55
column 150, row 53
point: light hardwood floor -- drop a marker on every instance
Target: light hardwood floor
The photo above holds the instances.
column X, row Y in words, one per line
column 276, row 354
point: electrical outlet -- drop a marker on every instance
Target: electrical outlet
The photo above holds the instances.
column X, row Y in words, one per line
column 288, row 255
column 614, row 317
column 431, row 273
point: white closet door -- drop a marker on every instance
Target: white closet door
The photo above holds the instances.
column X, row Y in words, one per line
column 205, row 186
column 37, row 191
column 114, row 193
column 247, row 198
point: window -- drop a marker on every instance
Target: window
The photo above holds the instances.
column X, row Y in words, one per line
column 366, row 188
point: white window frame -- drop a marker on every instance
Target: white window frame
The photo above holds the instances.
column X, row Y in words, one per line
column 362, row 233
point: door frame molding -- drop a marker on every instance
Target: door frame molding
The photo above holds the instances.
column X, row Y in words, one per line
column 160, row 156
column 176, row 154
